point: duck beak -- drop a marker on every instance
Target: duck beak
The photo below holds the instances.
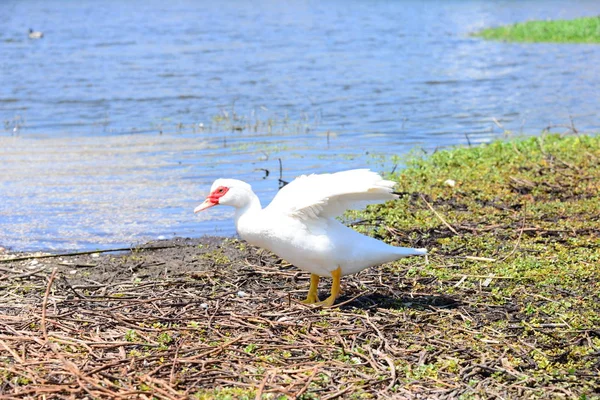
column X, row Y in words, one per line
column 207, row 204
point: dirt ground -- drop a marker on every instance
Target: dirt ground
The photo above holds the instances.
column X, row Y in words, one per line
column 215, row 318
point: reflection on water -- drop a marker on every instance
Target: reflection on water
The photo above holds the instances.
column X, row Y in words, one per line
column 101, row 191
column 109, row 134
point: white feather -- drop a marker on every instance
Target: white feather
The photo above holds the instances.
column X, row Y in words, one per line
column 300, row 226
column 330, row 195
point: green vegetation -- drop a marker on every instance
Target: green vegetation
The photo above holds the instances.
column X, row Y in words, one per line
column 518, row 233
column 261, row 122
column 226, row 394
column 525, row 210
column 580, row 30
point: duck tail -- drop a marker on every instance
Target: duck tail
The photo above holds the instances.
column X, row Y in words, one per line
column 407, row 251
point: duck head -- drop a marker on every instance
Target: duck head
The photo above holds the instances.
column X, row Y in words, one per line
column 228, row 192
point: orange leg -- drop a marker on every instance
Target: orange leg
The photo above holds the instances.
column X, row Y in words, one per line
column 335, row 289
column 312, row 296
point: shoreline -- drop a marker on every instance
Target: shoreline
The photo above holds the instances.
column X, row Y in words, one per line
column 8, row 255
column 507, row 301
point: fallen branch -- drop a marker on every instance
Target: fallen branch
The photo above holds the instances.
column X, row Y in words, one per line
column 80, row 253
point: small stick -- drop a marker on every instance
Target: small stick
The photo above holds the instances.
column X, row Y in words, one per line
column 261, row 388
column 439, row 216
column 45, row 302
column 498, row 124
column 308, row 382
column 393, row 373
column 11, row 351
column 484, row 276
column 518, row 241
column 349, row 300
column 282, row 183
column 473, row 258
column 573, row 129
column 79, row 253
column 339, row 393
column 23, row 275
column 172, row 374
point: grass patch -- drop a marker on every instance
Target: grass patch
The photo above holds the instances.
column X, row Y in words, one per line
column 525, row 210
column 518, row 230
column 579, row 30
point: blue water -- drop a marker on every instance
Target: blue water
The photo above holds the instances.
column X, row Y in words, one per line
column 115, row 123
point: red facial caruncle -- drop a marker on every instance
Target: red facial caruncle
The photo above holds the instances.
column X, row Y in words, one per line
column 212, row 199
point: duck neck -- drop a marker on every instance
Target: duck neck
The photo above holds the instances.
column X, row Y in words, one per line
column 252, row 207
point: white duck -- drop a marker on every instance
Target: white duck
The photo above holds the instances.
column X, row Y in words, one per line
column 300, row 226
column 35, row 34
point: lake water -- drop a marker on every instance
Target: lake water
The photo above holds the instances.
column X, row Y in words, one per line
column 115, row 123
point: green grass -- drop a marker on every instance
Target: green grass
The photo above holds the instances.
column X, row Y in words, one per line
column 527, row 215
column 580, row 30
column 532, row 205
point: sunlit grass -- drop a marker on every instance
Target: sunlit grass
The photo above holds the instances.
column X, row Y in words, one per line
column 525, row 219
column 580, row 30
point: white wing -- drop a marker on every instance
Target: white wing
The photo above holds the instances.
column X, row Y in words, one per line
column 310, row 197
